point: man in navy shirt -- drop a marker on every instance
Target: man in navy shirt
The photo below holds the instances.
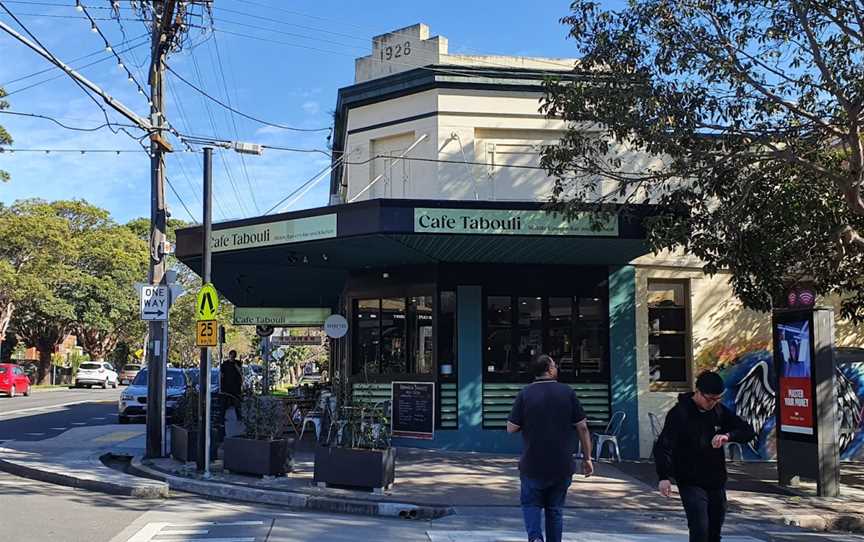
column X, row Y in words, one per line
column 549, row 416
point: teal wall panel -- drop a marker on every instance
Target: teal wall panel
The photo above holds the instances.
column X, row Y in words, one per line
column 622, row 341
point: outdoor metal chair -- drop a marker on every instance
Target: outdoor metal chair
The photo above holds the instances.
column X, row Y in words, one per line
column 610, row 437
column 314, row 416
column 729, row 450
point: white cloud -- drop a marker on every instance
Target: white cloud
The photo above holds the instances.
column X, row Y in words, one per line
column 311, row 107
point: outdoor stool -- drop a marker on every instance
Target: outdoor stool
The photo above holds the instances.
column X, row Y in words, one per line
column 729, row 451
column 656, row 429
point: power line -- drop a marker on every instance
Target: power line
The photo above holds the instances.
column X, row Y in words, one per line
column 244, row 115
column 183, row 203
column 58, row 76
column 62, row 125
column 312, row 180
column 77, row 151
column 52, row 16
column 234, row 124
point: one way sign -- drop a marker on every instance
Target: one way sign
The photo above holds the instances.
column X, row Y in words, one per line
column 154, row 302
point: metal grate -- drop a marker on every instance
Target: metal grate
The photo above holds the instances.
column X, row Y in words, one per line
column 498, row 400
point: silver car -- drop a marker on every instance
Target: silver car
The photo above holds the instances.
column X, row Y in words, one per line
column 96, row 373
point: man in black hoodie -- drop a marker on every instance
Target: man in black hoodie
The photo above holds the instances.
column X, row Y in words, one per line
column 690, row 450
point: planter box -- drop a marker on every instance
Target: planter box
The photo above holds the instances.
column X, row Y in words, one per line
column 262, row 457
column 354, row 467
column 184, row 444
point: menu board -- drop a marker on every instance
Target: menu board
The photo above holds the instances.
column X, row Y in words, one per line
column 413, row 410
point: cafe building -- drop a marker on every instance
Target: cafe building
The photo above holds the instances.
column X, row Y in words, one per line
column 437, row 248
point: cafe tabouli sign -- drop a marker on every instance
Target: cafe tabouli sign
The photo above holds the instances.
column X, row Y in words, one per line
column 274, row 233
column 513, row 222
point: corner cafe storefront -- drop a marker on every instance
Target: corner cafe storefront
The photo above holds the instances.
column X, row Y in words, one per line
column 462, row 294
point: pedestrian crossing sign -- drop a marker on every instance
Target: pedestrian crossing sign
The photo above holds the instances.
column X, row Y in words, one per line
column 207, row 303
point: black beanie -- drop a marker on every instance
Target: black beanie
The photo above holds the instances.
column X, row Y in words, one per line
column 711, row 383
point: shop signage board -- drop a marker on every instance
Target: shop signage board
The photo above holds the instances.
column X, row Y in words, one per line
column 154, row 303
column 274, row 233
column 513, row 222
column 796, row 389
column 297, row 340
column 280, row 317
column 207, row 333
column 413, row 413
column 335, row 326
column 207, row 303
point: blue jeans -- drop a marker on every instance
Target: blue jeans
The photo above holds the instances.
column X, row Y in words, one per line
column 539, row 495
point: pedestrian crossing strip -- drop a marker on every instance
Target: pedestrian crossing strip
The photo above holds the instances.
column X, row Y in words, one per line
column 203, row 531
column 580, row 536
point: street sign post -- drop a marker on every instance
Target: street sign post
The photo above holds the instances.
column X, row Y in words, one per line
column 206, row 333
column 207, row 303
column 154, row 303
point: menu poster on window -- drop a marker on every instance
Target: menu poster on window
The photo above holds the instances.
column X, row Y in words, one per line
column 413, row 410
column 796, row 387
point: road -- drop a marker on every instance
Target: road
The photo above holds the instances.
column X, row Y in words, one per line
column 39, row 512
column 47, row 414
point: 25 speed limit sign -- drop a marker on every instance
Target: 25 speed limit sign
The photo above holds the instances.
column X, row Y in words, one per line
column 208, row 333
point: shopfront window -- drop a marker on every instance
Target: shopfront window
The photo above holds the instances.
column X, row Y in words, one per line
column 394, row 336
column 668, row 333
column 574, row 330
column 448, row 335
column 499, row 334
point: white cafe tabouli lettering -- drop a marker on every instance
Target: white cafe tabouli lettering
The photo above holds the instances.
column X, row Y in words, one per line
column 512, row 222
column 274, row 233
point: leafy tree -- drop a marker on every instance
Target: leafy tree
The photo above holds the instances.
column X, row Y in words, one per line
column 751, row 113
column 5, row 138
column 35, row 243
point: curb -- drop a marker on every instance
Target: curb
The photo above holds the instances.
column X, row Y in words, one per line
column 220, row 490
column 133, row 489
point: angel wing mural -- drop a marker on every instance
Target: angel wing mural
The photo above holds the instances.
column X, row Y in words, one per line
column 755, row 400
column 848, row 409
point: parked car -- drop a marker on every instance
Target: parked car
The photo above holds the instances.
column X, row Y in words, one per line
column 133, row 400
column 96, row 373
column 13, row 380
column 193, row 373
column 128, row 373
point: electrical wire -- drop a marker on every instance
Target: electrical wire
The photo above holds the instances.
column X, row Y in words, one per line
column 183, row 203
column 312, row 180
column 62, row 125
column 58, row 76
column 234, row 124
column 244, row 115
column 77, row 151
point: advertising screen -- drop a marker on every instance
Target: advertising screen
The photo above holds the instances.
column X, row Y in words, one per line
column 796, row 388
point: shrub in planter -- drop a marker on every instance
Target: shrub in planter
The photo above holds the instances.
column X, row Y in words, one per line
column 261, row 449
column 184, row 435
column 360, row 455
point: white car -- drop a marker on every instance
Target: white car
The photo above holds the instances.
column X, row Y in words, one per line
column 96, row 373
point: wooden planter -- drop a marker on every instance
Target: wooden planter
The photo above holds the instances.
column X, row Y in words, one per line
column 261, row 457
column 368, row 469
column 184, row 443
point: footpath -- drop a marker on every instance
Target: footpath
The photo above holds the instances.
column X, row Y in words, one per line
column 429, row 484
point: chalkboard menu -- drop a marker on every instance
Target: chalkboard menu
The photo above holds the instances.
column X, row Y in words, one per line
column 414, row 410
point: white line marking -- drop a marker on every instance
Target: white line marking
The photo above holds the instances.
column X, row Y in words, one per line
column 184, row 532
column 58, row 428
column 48, row 407
column 34, row 434
column 240, row 539
column 79, row 423
column 99, row 418
column 147, row 532
column 210, row 523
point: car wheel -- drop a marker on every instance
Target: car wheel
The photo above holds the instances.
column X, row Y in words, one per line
column 12, row 392
column 114, row 385
column 27, row 391
column 105, row 384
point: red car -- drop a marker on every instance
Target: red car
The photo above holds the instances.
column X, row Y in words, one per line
column 13, row 380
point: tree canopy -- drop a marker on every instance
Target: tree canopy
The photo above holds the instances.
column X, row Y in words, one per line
column 5, row 138
column 754, row 113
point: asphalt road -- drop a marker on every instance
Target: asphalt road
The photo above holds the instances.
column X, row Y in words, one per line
column 47, row 414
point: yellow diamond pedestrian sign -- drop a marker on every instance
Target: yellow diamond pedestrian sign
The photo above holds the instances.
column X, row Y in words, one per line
column 207, row 303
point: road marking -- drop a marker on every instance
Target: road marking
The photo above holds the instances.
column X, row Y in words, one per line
column 34, row 434
column 79, row 423
column 58, row 428
column 101, row 418
column 117, row 436
column 164, row 529
column 50, row 407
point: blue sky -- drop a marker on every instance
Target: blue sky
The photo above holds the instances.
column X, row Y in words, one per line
column 290, row 83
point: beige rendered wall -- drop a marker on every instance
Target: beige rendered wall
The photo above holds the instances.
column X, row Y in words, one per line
column 721, row 328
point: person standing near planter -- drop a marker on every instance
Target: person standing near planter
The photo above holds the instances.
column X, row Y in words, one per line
column 231, row 382
column 690, row 449
column 549, row 416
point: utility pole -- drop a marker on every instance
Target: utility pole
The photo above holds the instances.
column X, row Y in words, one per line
column 157, row 354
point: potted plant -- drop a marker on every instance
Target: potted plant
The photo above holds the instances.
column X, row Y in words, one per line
column 357, row 451
column 184, row 435
column 262, row 449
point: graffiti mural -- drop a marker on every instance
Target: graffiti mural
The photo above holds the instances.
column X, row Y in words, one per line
column 751, row 394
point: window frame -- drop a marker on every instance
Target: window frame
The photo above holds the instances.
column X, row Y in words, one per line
column 672, row 385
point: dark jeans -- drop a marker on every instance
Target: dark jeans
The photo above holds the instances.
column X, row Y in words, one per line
column 706, row 510
column 539, row 495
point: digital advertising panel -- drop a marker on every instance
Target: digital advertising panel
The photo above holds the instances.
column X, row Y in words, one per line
column 796, row 385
